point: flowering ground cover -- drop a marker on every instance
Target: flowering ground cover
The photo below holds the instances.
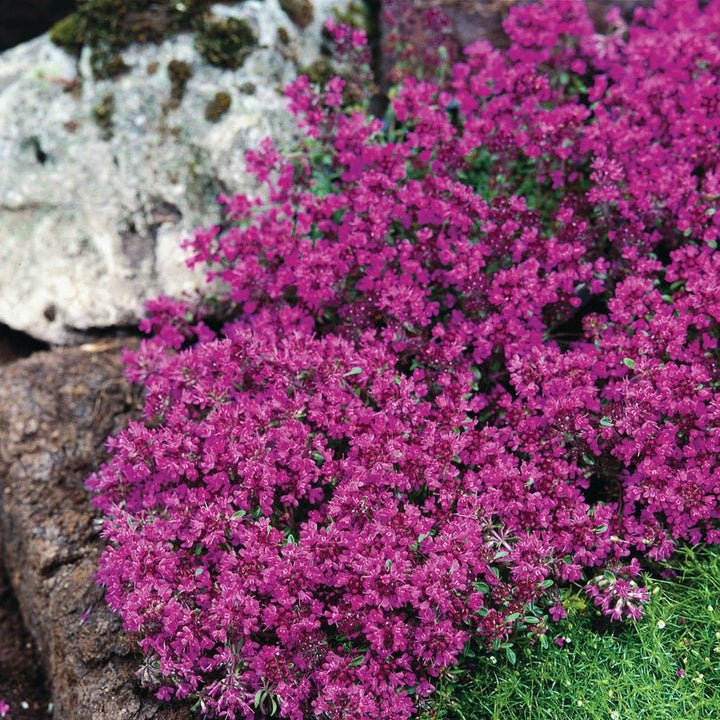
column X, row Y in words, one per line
column 455, row 367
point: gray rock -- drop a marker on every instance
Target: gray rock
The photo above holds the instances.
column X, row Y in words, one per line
column 56, row 409
column 101, row 180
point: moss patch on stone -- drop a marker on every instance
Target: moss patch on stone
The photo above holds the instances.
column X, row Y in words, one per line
column 106, row 62
column 322, row 70
column 104, row 115
column 179, row 73
column 218, row 106
column 301, row 12
column 108, row 26
column 69, row 33
column 247, row 88
column 319, row 72
column 225, row 42
column 354, row 14
column 283, row 35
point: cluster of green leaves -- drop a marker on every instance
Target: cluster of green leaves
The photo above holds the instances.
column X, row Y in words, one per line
column 666, row 666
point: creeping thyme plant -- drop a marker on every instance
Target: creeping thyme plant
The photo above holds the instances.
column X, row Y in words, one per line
column 466, row 364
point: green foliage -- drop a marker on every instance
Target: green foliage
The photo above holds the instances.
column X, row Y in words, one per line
column 353, row 14
column 318, row 72
column 664, row 667
column 69, row 33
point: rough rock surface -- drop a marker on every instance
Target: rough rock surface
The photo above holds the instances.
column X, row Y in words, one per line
column 101, row 180
column 56, row 409
column 22, row 683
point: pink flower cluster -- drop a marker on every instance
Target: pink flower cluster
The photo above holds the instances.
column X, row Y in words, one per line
column 452, row 364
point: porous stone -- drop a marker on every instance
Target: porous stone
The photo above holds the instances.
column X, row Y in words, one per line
column 56, row 409
column 103, row 179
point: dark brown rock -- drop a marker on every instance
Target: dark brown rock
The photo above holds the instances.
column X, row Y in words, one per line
column 56, row 409
column 22, row 682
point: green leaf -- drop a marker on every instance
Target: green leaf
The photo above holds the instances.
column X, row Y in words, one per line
column 259, row 697
column 513, row 617
column 549, row 582
column 238, row 514
column 629, row 362
column 357, row 661
column 510, row 654
column 531, row 620
column 353, row 371
column 199, row 572
column 606, row 422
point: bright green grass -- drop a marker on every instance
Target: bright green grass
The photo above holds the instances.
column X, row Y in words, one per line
column 628, row 672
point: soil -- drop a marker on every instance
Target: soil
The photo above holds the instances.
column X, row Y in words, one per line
column 22, row 682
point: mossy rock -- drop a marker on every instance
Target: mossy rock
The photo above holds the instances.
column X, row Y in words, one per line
column 218, row 106
column 106, row 62
column 69, row 33
column 108, row 26
column 322, row 70
column 179, row 72
column 104, row 116
column 301, row 12
column 354, row 14
column 319, row 72
column 283, row 35
column 225, row 42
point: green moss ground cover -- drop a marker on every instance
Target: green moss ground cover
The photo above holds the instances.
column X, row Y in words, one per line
column 666, row 666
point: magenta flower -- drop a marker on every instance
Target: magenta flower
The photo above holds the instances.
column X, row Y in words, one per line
column 450, row 363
